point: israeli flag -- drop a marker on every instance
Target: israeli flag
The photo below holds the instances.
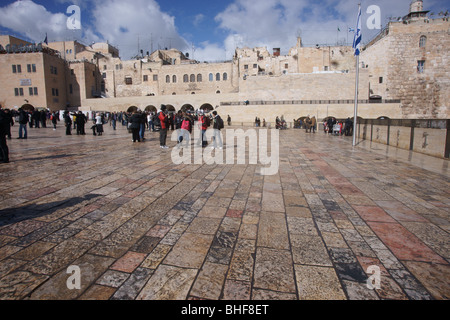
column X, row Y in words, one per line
column 358, row 37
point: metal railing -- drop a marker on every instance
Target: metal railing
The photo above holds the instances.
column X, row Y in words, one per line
column 296, row 102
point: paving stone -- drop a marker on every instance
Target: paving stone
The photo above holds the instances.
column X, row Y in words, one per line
column 274, row 270
column 318, row 283
column 168, row 283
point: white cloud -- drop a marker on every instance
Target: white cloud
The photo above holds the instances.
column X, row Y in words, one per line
column 122, row 23
column 266, row 23
column 198, row 19
column 276, row 23
column 127, row 24
column 33, row 21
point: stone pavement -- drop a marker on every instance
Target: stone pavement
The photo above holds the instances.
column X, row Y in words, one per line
column 140, row 227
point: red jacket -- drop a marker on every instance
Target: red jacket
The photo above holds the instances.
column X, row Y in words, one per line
column 203, row 122
column 163, row 119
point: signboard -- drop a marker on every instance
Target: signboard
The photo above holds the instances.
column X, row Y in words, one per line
column 25, row 82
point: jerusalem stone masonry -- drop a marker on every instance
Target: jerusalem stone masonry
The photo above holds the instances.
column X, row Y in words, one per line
column 395, row 59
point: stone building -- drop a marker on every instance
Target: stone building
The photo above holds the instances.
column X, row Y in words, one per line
column 409, row 61
column 39, row 77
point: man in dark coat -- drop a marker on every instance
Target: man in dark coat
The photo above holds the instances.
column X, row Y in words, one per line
column 4, row 123
column 23, row 121
column 81, row 121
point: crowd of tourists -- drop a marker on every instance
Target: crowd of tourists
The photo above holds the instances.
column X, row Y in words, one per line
column 183, row 122
column 137, row 123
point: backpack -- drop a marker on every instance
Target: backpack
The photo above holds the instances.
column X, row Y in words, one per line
column 207, row 121
column 220, row 124
column 156, row 120
column 186, row 125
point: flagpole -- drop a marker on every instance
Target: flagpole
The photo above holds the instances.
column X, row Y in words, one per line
column 355, row 118
column 356, row 46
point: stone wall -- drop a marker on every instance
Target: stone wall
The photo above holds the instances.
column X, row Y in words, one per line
column 393, row 66
column 423, row 136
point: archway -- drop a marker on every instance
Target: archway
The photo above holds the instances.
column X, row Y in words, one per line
column 132, row 109
column 28, row 107
column 207, row 107
column 151, row 109
column 170, row 108
column 187, row 107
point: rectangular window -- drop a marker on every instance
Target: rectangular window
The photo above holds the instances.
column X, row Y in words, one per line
column 16, row 92
column 30, row 90
column 155, row 77
column 128, row 80
column 104, row 75
column 31, row 68
column 286, row 66
column 21, row 92
column 70, row 88
column 380, row 80
column 245, row 66
column 35, row 90
column 145, row 78
column 255, row 66
column 421, row 66
column 16, row 68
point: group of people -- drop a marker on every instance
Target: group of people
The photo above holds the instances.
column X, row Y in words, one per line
column 25, row 119
column 333, row 126
column 280, row 123
column 182, row 121
column 258, row 122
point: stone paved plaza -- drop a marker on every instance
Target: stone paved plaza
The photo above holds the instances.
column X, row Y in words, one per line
column 140, row 227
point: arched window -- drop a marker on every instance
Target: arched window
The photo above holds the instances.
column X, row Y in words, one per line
column 423, row 41
column 185, row 78
column 225, row 76
column 167, row 79
column 199, row 77
column 211, row 77
column 217, row 76
column 174, row 79
column 192, row 78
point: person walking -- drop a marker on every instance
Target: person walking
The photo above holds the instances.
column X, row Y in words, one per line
column 68, row 123
column 164, row 121
column 10, row 122
column 217, row 126
column 54, row 120
column 186, row 129
column 99, row 124
column 81, row 122
column 313, row 124
column 135, row 126
column 4, row 124
column 23, row 122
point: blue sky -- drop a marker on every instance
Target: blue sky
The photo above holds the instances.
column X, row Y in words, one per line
column 207, row 30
